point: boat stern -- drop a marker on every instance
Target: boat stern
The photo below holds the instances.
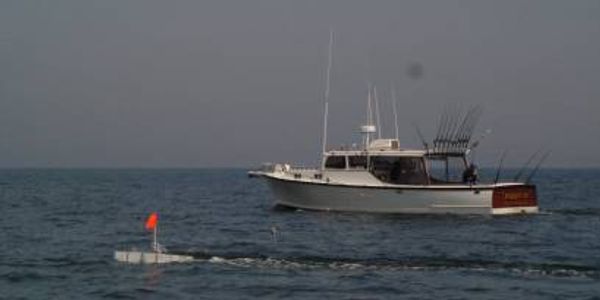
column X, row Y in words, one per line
column 514, row 200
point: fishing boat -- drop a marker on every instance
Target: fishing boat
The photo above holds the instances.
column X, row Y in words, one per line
column 381, row 176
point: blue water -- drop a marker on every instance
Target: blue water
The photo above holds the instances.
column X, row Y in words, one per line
column 59, row 228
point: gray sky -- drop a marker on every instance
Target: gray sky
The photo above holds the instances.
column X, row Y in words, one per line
column 237, row 83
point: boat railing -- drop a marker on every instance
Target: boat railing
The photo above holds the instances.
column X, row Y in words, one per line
column 303, row 168
column 286, row 168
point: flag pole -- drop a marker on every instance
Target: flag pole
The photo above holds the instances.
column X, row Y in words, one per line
column 154, row 243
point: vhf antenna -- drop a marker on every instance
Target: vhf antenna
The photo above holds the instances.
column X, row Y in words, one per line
column 326, row 96
column 395, row 109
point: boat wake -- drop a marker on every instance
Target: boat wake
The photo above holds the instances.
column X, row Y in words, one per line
column 578, row 211
column 393, row 265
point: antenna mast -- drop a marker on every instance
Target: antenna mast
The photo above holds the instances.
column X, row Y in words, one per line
column 378, row 120
column 395, row 110
column 327, row 89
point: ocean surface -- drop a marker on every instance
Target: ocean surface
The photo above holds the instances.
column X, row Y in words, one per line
column 59, row 229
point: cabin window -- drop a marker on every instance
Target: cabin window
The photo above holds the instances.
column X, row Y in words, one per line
column 399, row 170
column 357, row 161
column 446, row 169
column 335, row 162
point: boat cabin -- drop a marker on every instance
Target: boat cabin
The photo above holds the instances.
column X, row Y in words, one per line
column 400, row 166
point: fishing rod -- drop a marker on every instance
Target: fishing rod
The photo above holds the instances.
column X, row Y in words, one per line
column 464, row 132
column 537, row 167
column 457, row 129
column 500, row 166
column 441, row 129
column 423, row 140
column 473, row 120
column 451, row 138
column 461, row 129
column 452, row 115
column 461, row 133
column 481, row 138
column 518, row 175
column 446, row 132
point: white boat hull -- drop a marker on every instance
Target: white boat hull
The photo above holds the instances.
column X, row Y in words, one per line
column 420, row 200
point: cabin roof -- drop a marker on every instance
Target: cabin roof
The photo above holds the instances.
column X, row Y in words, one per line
column 385, row 152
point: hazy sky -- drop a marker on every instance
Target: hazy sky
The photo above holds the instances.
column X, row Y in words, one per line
column 237, row 83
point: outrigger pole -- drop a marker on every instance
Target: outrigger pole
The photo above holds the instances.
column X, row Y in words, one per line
column 327, row 90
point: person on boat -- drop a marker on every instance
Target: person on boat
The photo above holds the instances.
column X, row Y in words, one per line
column 470, row 175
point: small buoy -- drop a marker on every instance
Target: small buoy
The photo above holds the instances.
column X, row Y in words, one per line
column 158, row 254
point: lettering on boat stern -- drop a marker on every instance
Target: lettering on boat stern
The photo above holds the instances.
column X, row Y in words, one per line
column 514, row 196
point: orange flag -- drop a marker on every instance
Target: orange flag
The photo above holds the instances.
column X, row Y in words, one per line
column 152, row 221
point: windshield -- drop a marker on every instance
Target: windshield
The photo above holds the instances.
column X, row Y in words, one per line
column 335, row 162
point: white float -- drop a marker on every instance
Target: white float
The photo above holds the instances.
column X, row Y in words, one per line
column 158, row 255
